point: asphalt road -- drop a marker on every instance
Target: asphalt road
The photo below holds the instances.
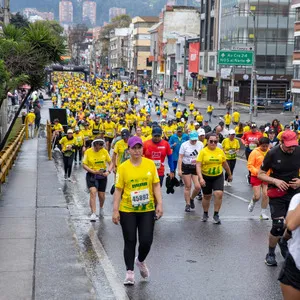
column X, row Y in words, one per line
column 189, row 259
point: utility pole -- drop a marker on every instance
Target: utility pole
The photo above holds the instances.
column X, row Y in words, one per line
column 6, row 12
column 254, row 67
column 184, row 69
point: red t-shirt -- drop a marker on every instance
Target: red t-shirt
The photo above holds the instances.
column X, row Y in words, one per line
column 157, row 153
column 251, row 139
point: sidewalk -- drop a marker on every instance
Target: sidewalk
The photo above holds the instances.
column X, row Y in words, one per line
column 38, row 255
column 262, row 118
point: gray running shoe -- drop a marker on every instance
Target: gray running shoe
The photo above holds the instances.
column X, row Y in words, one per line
column 204, row 218
column 271, row 260
column 217, row 219
column 187, row 208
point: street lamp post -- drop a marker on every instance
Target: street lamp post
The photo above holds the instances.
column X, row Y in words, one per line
column 184, row 70
column 253, row 87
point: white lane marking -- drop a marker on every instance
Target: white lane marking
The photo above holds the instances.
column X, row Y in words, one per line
column 238, row 197
column 117, row 288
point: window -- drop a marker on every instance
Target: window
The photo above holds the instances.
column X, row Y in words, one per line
column 297, row 43
column 297, row 19
column 212, row 63
column 296, row 71
column 201, row 62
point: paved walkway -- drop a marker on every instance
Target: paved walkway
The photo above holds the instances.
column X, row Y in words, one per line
column 262, row 117
column 38, row 256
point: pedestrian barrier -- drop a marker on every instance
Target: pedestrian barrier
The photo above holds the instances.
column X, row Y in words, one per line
column 9, row 154
column 49, row 140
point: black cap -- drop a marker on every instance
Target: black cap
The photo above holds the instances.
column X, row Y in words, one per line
column 125, row 133
column 253, row 125
column 179, row 128
column 221, row 123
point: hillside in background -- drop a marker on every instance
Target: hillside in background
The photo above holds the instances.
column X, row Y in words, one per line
column 133, row 7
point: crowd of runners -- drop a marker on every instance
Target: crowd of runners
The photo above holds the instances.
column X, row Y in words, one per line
column 110, row 131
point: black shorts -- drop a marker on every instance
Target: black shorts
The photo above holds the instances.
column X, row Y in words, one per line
column 188, row 169
column 108, row 139
column 213, row 183
column 290, row 274
column 100, row 184
column 279, row 206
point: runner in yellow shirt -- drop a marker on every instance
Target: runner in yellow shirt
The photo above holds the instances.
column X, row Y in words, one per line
column 210, row 163
column 227, row 120
column 98, row 165
column 137, row 202
column 109, row 132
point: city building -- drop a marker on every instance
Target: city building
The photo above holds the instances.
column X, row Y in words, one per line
column 267, row 28
column 118, row 50
column 31, row 13
column 167, row 40
column 65, row 12
column 89, row 10
column 116, row 11
column 142, row 67
column 296, row 58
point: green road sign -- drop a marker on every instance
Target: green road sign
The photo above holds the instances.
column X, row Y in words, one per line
column 235, row 57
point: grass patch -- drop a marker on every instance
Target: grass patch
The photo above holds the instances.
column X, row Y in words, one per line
column 14, row 132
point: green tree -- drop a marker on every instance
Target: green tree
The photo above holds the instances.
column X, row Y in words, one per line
column 19, row 21
column 24, row 54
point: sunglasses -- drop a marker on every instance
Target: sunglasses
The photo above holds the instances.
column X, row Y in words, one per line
column 213, row 142
column 98, row 144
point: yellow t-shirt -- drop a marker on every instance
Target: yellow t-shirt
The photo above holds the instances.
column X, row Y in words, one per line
column 227, row 119
column 31, row 118
column 79, row 138
column 209, row 109
column 236, row 117
column 191, row 106
column 121, row 149
column 178, row 114
column 211, row 161
column 67, row 144
column 96, row 160
column 246, row 128
column 237, row 130
column 230, row 148
column 199, row 118
column 136, row 182
column 279, row 135
column 58, row 126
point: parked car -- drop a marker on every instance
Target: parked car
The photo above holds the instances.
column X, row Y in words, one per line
column 288, row 105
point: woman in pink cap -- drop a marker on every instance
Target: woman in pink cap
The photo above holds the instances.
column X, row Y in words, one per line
column 137, row 202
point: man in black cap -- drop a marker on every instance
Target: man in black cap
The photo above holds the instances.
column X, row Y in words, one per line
column 206, row 127
column 121, row 149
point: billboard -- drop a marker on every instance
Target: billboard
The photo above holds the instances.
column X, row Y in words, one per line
column 194, row 49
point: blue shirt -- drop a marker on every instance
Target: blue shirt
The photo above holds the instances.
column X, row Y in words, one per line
column 175, row 139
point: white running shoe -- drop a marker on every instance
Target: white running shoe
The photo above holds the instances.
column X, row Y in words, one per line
column 93, row 217
column 143, row 268
column 263, row 215
column 226, row 183
column 251, row 206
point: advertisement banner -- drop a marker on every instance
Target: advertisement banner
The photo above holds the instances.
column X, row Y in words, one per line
column 194, row 49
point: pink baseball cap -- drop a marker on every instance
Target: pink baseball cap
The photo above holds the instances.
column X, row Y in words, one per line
column 289, row 138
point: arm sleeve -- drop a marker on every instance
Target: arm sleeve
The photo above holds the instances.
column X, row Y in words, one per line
column 170, row 162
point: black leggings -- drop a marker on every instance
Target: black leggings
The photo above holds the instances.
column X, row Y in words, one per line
column 68, row 162
column 131, row 223
column 231, row 163
column 78, row 150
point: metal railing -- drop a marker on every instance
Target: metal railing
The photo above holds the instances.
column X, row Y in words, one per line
column 9, row 154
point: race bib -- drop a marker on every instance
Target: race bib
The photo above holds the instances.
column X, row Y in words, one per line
column 252, row 146
column 110, row 134
column 157, row 163
column 139, row 198
column 231, row 152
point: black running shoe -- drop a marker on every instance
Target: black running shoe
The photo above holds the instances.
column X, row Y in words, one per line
column 192, row 204
column 271, row 260
column 283, row 245
column 181, row 182
column 187, row 208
